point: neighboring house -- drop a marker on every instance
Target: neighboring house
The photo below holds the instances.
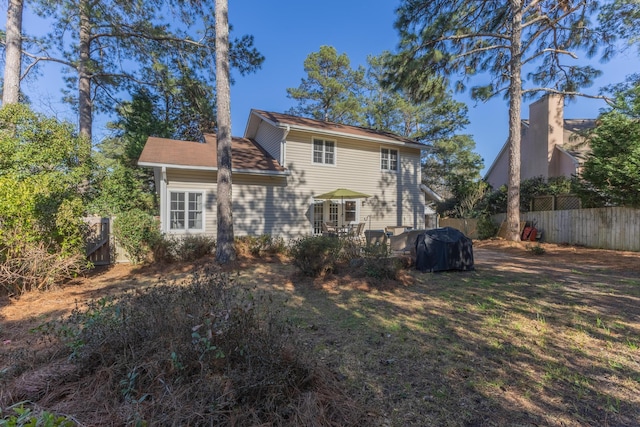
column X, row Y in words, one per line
column 278, row 166
column 550, row 144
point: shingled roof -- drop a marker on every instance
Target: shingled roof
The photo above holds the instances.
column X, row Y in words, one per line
column 247, row 155
column 304, row 123
column 573, row 141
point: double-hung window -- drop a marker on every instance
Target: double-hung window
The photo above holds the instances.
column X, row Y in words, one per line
column 388, row 159
column 324, row 151
column 186, row 210
column 350, row 211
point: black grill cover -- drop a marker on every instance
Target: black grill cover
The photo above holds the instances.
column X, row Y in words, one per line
column 443, row 249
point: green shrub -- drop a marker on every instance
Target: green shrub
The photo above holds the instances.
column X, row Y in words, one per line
column 43, row 165
column 315, row 255
column 137, row 232
column 379, row 264
column 194, row 246
column 495, row 201
column 351, row 249
column 164, row 249
column 486, row 228
column 20, row 416
column 191, row 247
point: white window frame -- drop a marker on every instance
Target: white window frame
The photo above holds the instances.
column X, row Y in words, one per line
column 186, row 211
column 355, row 211
column 324, row 151
column 388, row 154
column 317, row 210
column 332, row 211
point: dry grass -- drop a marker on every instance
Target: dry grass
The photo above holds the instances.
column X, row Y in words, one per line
column 524, row 340
column 204, row 351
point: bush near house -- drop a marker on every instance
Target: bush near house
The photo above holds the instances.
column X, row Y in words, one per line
column 315, row 255
column 379, row 264
column 137, row 232
column 495, row 202
column 182, row 248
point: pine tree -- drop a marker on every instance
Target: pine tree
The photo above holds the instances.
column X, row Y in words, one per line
column 225, row 251
column 13, row 53
column 448, row 159
column 331, row 91
column 462, row 38
column 110, row 44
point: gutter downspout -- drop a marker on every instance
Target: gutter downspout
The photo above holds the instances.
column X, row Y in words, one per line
column 283, row 145
column 164, row 199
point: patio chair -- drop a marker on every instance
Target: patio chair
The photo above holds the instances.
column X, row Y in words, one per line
column 357, row 232
column 329, row 230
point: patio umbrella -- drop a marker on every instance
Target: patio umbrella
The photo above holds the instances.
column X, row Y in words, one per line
column 342, row 193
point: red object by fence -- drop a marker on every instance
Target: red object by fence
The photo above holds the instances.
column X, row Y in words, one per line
column 529, row 233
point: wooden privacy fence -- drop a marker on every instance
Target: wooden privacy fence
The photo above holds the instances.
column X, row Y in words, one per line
column 615, row 228
column 468, row 226
column 101, row 247
column 98, row 240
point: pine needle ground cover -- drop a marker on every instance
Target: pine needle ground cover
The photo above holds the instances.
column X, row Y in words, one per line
column 525, row 339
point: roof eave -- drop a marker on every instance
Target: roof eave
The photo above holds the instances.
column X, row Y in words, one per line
column 572, row 157
column 175, row 166
column 337, row 133
column 285, row 172
column 352, row 136
column 496, row 159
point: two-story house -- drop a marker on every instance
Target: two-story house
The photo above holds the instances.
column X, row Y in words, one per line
column 279, row 167
column 551, row 146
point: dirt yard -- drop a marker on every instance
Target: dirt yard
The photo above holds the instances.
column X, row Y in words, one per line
column 20, row 314
column 525, row 308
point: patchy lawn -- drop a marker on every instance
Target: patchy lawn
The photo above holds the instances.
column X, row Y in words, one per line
column 523, row 340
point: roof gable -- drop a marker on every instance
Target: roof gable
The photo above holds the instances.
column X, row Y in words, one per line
column 319, row 126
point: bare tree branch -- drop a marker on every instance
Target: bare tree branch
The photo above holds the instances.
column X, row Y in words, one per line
column 561, row 92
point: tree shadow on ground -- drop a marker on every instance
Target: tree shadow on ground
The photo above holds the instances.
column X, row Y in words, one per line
column 519, row 341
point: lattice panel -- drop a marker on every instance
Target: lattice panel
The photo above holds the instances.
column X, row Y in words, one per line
column 567, row 201
column 543, row 203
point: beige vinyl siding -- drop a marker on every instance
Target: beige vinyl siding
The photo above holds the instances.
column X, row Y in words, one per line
column 189, row 180
column 270, row 138
column 261, row 204
column 396, row 197
column 265, row 205
column 282, row 205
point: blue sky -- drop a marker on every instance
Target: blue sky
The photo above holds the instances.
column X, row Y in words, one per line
column 286, row 31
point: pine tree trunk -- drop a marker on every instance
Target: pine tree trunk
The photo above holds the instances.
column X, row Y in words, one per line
column 84, row 73
column 225, row 250
column 13, row 53
column 515, row 106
